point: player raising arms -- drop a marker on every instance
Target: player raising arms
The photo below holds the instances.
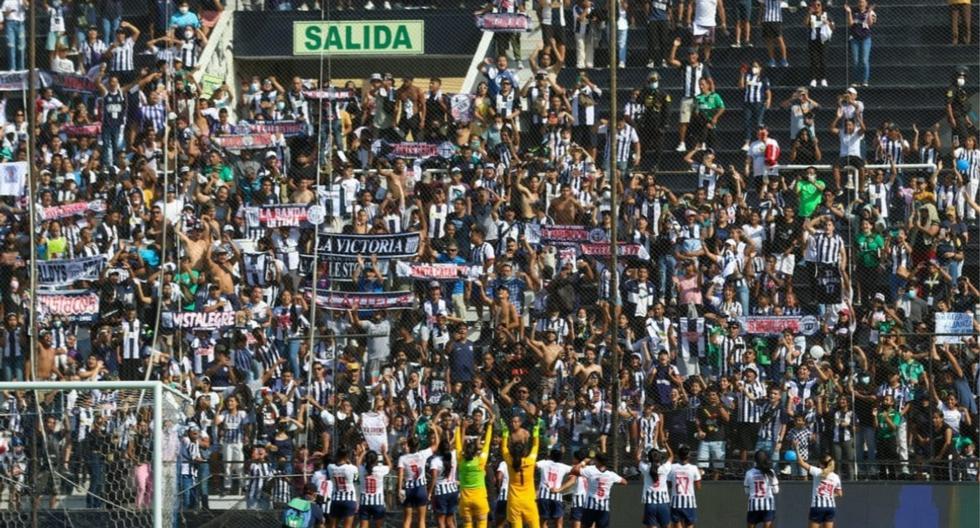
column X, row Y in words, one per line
column 656, row 495
column 761, row 485
column 826, row 488
column 600, row 481
column 686, row 479
column 521, row 508
column 473, row 454
column 411, row 478
column 373, row 473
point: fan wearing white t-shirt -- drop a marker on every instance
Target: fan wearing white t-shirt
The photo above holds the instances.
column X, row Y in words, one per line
column 600, row 480
column 826, row 488
column 656, row 495
column 686, row 480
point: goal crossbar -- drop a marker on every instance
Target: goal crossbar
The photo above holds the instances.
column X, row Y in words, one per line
column 155, row 386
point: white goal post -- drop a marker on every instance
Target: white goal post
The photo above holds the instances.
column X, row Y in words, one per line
column 157, row 389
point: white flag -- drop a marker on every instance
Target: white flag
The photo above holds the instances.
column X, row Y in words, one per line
column 12, row 178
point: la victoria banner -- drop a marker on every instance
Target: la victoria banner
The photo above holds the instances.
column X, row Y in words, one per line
column 397, row 245
column 364, row 37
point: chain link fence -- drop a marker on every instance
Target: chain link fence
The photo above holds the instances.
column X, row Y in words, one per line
column 758, row 232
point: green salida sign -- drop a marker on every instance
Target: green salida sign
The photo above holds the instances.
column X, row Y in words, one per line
column 370, row 37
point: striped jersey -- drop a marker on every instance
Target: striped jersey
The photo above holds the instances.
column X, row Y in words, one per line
column 122, row 56
column 761, row 489
column 504, row 473
column 749, row 410
column 756, row 87
column 446, row 481
column 343, row 477
column 232, row 430
column 823, row 248
column 373, row 485
column 648, row 432
column 824, row 488
column 259, row 473
column 600, row 485
column 552, row 476
column 772, row 11
column 413, row 466
column 655, row 491
column 683, row 476
column 321, row 481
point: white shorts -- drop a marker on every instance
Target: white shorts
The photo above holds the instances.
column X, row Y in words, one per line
column 687, row 108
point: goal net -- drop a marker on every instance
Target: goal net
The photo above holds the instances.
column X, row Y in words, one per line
column 89, row 454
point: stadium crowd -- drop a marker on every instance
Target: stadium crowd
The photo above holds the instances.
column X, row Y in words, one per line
column 147, row 177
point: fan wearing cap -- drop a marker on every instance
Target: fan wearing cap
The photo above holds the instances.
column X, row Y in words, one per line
column 851, row 138
column 692, row 70
column 958, row 105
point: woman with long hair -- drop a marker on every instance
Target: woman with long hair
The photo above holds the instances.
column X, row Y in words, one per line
column 443, row 486
column 472, row 456
column 522, row 509
column 412, row 479
column 761, row 485
column 373, row 473
column 826, row 488
column 656, row 495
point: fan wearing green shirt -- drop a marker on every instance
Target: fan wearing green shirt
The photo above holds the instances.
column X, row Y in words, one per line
column 216, row 165
column 869, row 247
column 810, row 191
column 888, row 421
column 708, row 109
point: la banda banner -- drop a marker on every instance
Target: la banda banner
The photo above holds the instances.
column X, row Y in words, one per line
column 336, row 300
column 771, row 325
column 364, row 37
column 62, row 272
column 282, row 215
column 73, row 306
column 504, row 22
column 385, row 246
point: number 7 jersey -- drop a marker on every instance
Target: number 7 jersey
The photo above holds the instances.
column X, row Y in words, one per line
column 683, row 476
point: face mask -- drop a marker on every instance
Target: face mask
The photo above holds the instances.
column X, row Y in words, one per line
column 756, row 70
column 183, row 10
column 188, row 35
column 475, row 145
column 960, row 81
column 911, row 294
column 255, row 87
column 497, row 126
column 280, row 106
column 654, row 85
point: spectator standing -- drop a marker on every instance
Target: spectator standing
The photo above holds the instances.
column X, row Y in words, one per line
column 703, row 16
column 757, row 98
column 860, row 21
column 14, row 15
column 960, row 13
column 121, row 51
column 709, row 107
column 110, row 17
column 820, row 30
column 659, row 22
column 772, row 31
column 692, row 72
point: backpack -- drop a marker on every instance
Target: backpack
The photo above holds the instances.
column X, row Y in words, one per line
column 298, row 514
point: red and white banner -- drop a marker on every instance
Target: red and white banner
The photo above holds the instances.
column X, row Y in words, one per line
column 90, row 130
column 78, row 208
column 202, row 320
column 425, row 271
column 623, row 250
column 244, row 141
column 283, row 215
column 775, row 325
column 80, row 306
column 504, row 22
column 563, row 234
column 409, row 149
column 365, row 301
